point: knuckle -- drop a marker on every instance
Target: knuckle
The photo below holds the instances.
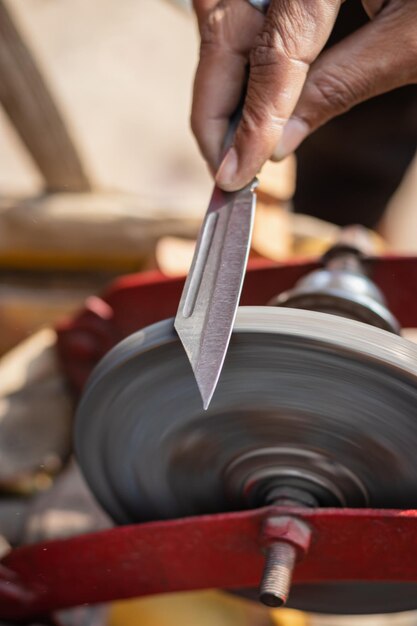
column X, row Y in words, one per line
column 257, row 116
column 252, row 117
column 336, row 91
column 212, row 28
column 397, row 25
column 303, row 26
column 296, row 23
column 271, row 51
column 264, row 52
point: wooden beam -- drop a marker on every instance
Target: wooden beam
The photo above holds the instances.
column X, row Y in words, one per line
column 30, row 107
column 86, row 231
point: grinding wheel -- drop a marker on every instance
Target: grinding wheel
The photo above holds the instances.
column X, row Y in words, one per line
column 305, row 398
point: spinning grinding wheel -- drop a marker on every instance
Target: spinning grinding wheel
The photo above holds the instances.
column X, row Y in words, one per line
column 310, row 406
column 314, row 413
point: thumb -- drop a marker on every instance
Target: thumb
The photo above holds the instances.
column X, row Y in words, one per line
column 293, row 34
column 377, row 58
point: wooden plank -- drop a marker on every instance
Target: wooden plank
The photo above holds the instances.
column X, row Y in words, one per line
column 30, row 107
column 91, row 231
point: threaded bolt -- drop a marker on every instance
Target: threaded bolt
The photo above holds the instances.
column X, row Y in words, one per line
column 276, row 581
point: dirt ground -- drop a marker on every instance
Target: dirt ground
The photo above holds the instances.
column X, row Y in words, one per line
column 122, row 73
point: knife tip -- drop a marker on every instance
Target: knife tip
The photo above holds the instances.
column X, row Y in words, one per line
column 207, row 390
column 206, row 374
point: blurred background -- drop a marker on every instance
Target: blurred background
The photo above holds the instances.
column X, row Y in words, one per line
column 100, row 176
column 121, row 74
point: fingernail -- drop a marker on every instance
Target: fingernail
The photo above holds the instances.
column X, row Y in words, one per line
column 294, row 133
column 228, row 168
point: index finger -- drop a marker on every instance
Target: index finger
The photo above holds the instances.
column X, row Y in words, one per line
column 294, row 33
column 227, row 36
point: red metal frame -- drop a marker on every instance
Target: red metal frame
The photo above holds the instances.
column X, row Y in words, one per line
column 223, row 550
column 135, row 301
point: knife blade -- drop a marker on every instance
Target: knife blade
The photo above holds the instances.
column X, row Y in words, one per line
column 211, row 294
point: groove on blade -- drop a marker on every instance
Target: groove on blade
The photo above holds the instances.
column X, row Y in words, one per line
column 201, row 260
column 212, row 290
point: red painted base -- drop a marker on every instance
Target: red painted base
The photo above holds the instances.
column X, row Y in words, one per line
column 223, row 551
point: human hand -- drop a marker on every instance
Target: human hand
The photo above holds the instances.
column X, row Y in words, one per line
column 292, row 89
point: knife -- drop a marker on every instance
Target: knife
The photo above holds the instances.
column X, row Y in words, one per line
column 211, row 294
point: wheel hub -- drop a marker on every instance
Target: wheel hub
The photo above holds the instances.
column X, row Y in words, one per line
column 261, row 476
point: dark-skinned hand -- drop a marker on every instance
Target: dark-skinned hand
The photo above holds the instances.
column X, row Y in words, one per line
column 293, row 86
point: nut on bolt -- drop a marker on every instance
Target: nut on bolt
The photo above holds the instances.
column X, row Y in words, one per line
column 288, row 539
